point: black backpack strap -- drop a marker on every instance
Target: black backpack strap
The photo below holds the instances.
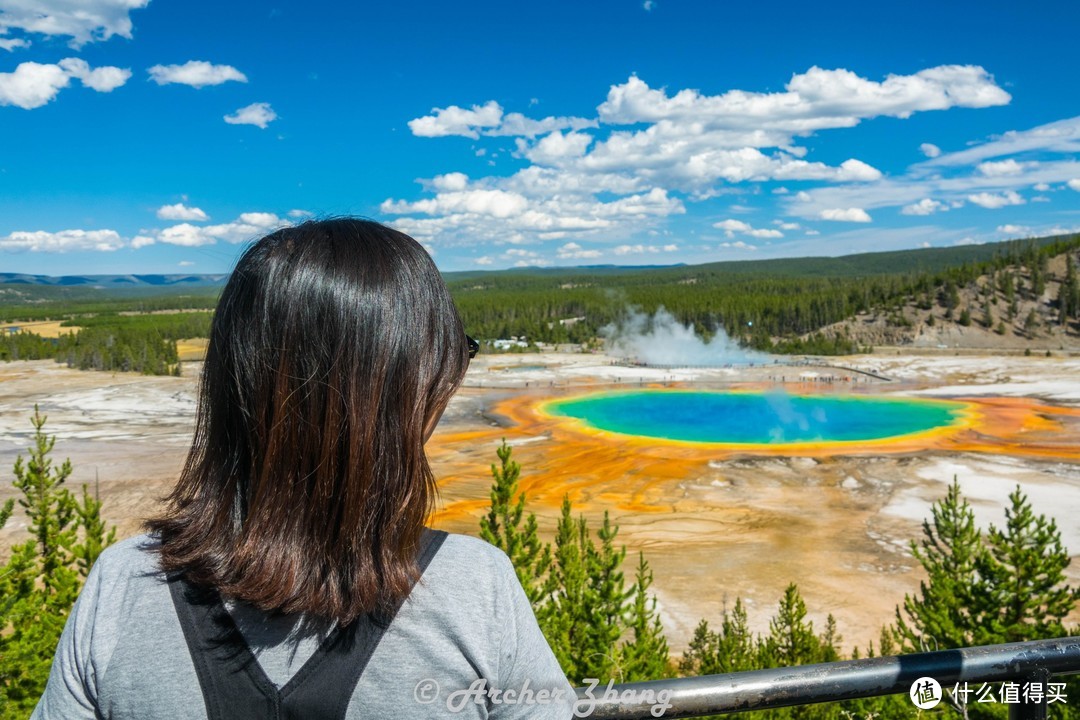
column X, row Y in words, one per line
column 323, row 688
column 233, row 683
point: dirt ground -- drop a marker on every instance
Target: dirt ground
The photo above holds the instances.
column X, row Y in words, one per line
column 715, row 523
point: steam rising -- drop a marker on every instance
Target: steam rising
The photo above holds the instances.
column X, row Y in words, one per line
column 663, row 340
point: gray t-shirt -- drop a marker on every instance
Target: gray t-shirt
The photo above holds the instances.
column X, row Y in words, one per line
column 466, row 631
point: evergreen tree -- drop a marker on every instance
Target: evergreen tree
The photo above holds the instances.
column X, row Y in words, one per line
column 1025, row 575
column 1068, row 299
column 41, row 580
column 791, row 639
column 508, row 528
column 644, row 656
column 948, row 612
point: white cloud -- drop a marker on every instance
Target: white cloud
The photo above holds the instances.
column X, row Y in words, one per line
column 765, row 233
column 450, row 182
column 926, row 206
column 63, row 241
column 196, row 73
column 84, row 21
column 1014, row 229
column 786, row 225
column 32, row 85
column 248, row 226
column 1041, row 187
column 185, row 263
column 485, row 260
column 103, row 79
column 814, row 100
column 649, row 149
column 258, row 114
column 648, row 5
column 930, row 150
column 951, row 178
column 731, row 225
column 492, row 203
column 181, row 212
column 298, row 213
column 637, row 249
column 454, row 120
column 845, row 215
column 993, row 202
column 1004, row 167
column 738, row 245
column 1062, row 136
column 1074, row 184
column 488, row 119
column 556, row 148
column 573, row 251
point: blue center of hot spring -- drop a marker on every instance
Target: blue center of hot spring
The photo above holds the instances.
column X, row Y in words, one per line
column 718, row 417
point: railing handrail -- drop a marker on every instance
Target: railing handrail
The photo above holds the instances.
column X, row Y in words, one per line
column 835, row 681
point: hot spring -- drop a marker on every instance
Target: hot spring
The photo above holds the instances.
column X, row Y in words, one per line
column 756, row 418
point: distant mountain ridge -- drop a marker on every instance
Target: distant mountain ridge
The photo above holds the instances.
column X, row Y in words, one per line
column 116, row 281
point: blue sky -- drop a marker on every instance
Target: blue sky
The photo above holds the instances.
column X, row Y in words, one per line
column 156, row 136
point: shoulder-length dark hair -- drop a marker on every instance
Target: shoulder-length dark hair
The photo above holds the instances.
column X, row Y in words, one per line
column 333, row 352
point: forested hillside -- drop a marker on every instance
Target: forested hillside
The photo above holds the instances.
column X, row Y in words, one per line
column 776, row 305
column 1014, row 291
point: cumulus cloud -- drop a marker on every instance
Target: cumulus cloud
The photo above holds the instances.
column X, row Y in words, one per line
column 1074, row 184
column 63, row 241
column 103, row 79
column 483, row 260
column 181, row 212
column 650, row 149
column 814, row 100
column 1004, row 167
column 1062, row 136
column 1014, row 229
column 248, row 226
column 84, row 21
column 993, row 202
column 32, row 84
column 196, row 73
column 640, row 249
column 573, row 251
column 980, row 170
column 737, row 245
column 257, row 114
column 926, row 206
column 845, row 215
column 489, row 119
column 732, row 226
column 930, row 150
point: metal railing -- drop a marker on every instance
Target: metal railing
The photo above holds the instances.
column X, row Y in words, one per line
column 1031, row 662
